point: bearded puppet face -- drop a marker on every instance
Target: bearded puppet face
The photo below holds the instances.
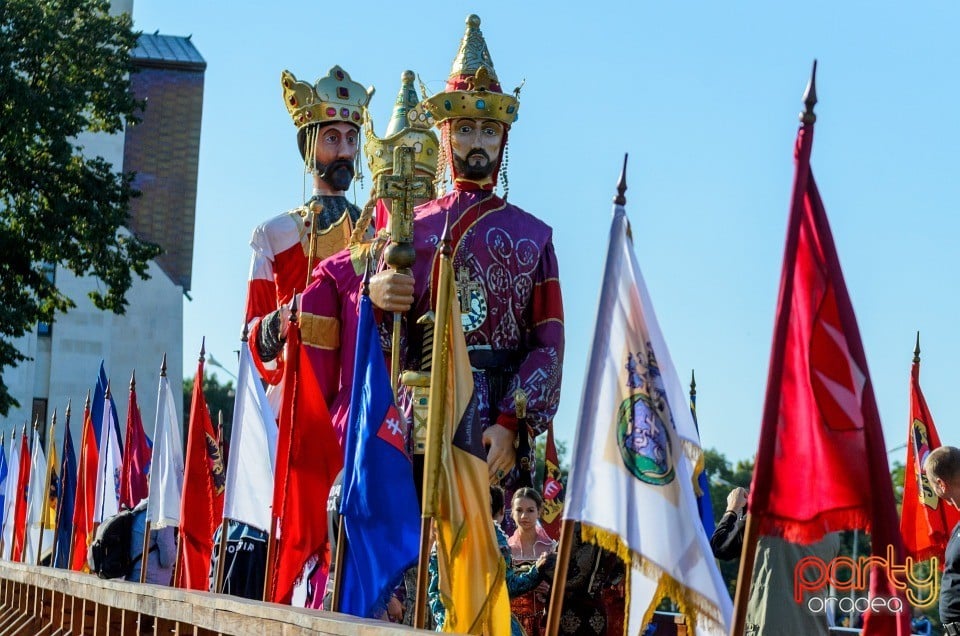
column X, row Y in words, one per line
column 476, row 145
column 335, row 153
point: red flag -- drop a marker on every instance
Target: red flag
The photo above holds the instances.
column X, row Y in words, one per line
column 20, row 509
column 925, row 521
column 136, row 456
column 553, row 490
column 85, row 494
column 822, row 465
column 201, row 507
column 308, row 460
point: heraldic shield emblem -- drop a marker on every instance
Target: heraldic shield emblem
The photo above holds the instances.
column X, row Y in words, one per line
column 642, row 421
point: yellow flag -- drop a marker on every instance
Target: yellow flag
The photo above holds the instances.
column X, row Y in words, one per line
column 472, row 571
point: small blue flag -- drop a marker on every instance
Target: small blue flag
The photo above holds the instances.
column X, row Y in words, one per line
column 65, row 501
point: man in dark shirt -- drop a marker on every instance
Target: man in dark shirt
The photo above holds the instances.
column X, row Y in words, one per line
column 942, row 467
column 727, row 539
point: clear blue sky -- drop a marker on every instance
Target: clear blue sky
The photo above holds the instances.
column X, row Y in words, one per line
column 704, row 96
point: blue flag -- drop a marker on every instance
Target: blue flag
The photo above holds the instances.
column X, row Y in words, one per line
column 65, row 501
column 704, row 505
column 379, row 510
column 96, row 407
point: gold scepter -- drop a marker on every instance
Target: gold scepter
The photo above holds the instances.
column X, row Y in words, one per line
column 403, row 187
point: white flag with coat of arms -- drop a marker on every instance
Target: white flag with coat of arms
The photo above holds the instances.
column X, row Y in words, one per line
column 636, row 454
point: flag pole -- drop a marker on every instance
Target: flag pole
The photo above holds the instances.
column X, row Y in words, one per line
column 560, row 576
column 59, row 512
column 26, row 530
column 435, row 422
column 567, row 529
column 44, row 506
column 178, row 562
column 749, row 553
column 145, row 550
column 271, row 532
column 338, row 566
column 224, row 529
column 86, row 410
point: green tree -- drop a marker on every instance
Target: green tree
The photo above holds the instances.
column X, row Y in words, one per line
column 64, row 69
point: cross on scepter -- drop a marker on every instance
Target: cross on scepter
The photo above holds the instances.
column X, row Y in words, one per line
column 403, row 187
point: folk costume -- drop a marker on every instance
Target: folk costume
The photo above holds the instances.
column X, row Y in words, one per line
column 288, row 246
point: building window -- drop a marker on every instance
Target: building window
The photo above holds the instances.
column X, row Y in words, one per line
column 45, row 329
column 40, row 413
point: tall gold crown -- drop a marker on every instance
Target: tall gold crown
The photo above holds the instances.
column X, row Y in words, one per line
column 473, row 90
column 402, row 132
column 334, row 98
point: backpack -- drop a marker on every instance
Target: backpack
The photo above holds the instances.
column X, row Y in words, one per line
column 109, row 553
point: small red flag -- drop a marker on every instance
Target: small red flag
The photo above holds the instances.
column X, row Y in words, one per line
column 822, row 465
column 925, row 520
column 308, row 460
column 553, row 490
column 201, row 507
column 136, row 456
column 84, row 500
column 20, row 509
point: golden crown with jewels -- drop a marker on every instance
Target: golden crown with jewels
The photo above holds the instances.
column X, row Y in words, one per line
column 334, row 98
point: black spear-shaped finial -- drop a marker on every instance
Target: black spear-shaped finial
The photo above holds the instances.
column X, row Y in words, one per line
column 245, row 334
column 810, row 98
column 133, row 380
column 916, row 350
column 203, row 349
column 163, row 366
column 367, row 272
column 446, row 239
column 693, row 384
column 621, row 198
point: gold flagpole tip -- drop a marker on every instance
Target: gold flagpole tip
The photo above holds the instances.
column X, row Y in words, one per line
column 621, row 198
column 163, row 366
column 446, row 239
column 916, row 350
column 810, row 98
column 203, row 348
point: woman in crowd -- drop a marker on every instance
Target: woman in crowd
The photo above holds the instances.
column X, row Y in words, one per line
column 528, row 542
